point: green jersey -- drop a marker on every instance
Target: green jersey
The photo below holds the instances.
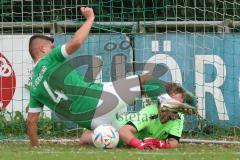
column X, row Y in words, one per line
column 148, row 124
column 59, row 86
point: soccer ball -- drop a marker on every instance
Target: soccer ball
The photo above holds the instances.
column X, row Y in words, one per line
column 105, row 136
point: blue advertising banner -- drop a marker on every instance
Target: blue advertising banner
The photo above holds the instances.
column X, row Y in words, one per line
column 206, row 64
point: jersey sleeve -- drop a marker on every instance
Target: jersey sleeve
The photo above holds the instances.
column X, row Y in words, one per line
column 142, row 119
column 59, row 53
column 177, row 127
column 35, row 106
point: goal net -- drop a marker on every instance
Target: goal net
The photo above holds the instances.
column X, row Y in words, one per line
column 198, row 42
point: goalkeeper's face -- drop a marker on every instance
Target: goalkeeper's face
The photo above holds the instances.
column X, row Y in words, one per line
column 166, row 116
column 177, row 96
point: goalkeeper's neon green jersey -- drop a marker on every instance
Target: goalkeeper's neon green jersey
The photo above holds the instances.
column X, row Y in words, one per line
column 148, row 124
column 59, row 86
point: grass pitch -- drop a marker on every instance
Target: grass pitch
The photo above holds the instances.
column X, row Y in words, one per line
column 22, row 151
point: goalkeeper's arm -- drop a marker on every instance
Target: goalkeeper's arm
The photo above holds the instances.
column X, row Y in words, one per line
column 32, row 127
column 126, row 134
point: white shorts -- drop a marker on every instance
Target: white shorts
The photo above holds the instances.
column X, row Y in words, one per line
column 115, row 103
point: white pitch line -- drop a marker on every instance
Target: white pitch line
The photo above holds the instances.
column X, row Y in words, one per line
column 142, row 153
column 83, row 152
column 187, row 153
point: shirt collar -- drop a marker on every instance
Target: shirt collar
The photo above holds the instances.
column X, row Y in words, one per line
column 35, row 64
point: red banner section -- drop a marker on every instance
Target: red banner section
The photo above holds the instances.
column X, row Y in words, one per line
column 7, row 82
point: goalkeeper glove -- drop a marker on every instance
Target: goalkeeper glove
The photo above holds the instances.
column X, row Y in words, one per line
column 157, row 143
column 136, row 143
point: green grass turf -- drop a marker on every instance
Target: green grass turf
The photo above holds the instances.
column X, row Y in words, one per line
column 17, row 151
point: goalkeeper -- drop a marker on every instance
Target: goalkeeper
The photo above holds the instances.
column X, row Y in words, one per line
column 158, row 127
column 163, row 127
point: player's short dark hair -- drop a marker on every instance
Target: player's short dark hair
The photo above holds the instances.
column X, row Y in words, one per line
column 174, row 88
column 37, row 36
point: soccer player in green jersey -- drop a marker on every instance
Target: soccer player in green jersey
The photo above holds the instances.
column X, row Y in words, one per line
column 156, row 129
column 48, row 58
column 58, row 85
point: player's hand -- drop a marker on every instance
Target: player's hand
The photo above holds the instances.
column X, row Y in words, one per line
column 88, row 13
column 157, row 143
column 146, row 146
column 136, row 143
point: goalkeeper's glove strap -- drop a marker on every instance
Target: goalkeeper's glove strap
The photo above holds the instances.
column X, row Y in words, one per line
column 134, row 142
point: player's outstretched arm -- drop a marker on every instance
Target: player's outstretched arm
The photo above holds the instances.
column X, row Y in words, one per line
column 126, row 134
column 32, row 127
column 82, row 33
